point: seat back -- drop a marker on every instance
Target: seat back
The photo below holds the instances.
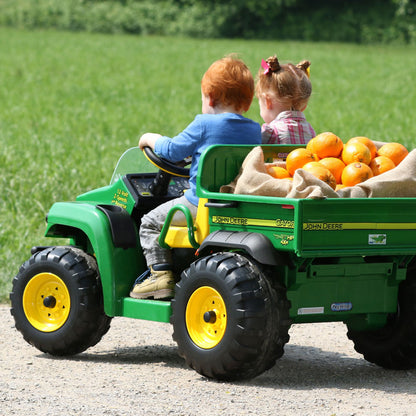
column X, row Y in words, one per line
column 189, row 236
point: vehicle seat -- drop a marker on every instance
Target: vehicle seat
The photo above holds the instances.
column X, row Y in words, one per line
column 178, row 236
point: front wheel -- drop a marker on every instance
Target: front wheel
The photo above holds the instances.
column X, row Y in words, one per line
column 226, row 319
column 56, row 301
column 394, row 345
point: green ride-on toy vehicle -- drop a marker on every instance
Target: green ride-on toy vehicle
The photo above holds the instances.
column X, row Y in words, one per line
column 250, row 266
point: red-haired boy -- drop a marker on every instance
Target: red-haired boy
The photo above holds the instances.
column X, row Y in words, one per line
column 227, row 90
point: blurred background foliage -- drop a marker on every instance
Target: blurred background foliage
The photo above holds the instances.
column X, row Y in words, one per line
column 358, row 21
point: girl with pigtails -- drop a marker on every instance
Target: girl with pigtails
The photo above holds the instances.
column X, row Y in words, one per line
column 283, row 92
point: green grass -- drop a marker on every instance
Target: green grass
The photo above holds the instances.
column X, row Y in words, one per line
column 70, row 104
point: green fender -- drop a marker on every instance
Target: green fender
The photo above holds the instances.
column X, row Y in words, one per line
column 88, row 226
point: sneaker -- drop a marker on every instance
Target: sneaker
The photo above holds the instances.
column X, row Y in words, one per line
column 156, row 284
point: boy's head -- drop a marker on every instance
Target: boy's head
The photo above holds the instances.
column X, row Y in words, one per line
column 287, row 83
column 228, row 82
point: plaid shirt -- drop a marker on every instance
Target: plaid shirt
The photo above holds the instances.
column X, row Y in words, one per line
column 289, row 127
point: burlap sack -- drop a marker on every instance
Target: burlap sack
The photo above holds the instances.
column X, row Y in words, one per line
column 253, row 179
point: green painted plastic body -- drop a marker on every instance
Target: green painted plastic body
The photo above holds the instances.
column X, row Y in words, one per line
column 88, row 228
column 344, row 257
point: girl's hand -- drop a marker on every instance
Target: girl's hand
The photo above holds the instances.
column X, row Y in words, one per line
column 149, row 140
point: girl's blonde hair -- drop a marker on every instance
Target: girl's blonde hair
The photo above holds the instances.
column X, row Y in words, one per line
column 288, row 83
column 228, row 81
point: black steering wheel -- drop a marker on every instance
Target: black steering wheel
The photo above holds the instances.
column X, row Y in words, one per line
column 175, row 169
column 167, row 169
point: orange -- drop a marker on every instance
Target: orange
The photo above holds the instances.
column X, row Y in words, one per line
column 381, row 164
column 394, row 151
column 335, row 165
column 356, row 172
column 321, row 173
column 311, row 164
column 356, row 152
column 325, row 145
column 277, row 172
column 297, row 158
column 369, row 143
column 309, row 146
column 339, row 186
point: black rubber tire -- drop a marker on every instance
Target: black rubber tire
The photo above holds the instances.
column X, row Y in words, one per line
column 394, row 345
column 252, row 339
column 281, row 320
column 86, row 322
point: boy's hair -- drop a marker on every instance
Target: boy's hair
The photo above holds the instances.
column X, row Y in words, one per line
column 289, row 84
column 228, row 81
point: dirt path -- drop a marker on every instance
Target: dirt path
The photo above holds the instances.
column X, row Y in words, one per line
column 135, row 370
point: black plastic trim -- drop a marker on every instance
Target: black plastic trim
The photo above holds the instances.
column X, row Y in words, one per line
column 123, row 231
column 256, row 245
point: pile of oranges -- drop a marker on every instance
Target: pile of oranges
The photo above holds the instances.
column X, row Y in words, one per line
column 339, row 164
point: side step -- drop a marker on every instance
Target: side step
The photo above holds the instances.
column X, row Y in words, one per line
column 147, row 309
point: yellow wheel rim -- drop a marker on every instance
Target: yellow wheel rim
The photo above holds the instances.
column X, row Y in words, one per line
column 206, row 317
column 46, row 302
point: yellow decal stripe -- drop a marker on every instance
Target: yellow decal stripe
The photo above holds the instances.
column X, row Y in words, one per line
column 219, row 219
column 326, row 226
column 262, row 223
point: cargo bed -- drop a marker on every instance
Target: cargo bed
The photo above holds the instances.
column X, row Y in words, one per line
column 307, row 227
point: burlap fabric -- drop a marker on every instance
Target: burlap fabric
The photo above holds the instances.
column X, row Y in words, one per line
column 253, row 179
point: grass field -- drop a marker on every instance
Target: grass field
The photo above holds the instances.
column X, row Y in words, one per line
column 71, row 103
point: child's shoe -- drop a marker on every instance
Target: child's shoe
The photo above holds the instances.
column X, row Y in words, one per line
column 156, row 283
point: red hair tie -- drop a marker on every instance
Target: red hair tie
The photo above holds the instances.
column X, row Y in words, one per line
column 265, row 66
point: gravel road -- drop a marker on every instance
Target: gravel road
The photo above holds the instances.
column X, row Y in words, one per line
column 135, row 370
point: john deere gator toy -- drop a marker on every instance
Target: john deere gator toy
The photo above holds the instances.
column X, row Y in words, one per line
column 248, row 268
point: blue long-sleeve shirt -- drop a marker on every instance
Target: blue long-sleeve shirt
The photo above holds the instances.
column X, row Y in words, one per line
column 206, row 130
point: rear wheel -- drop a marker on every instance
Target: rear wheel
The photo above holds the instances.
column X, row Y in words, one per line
column 56, row 301
column 225, row 318
column 394, row 345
